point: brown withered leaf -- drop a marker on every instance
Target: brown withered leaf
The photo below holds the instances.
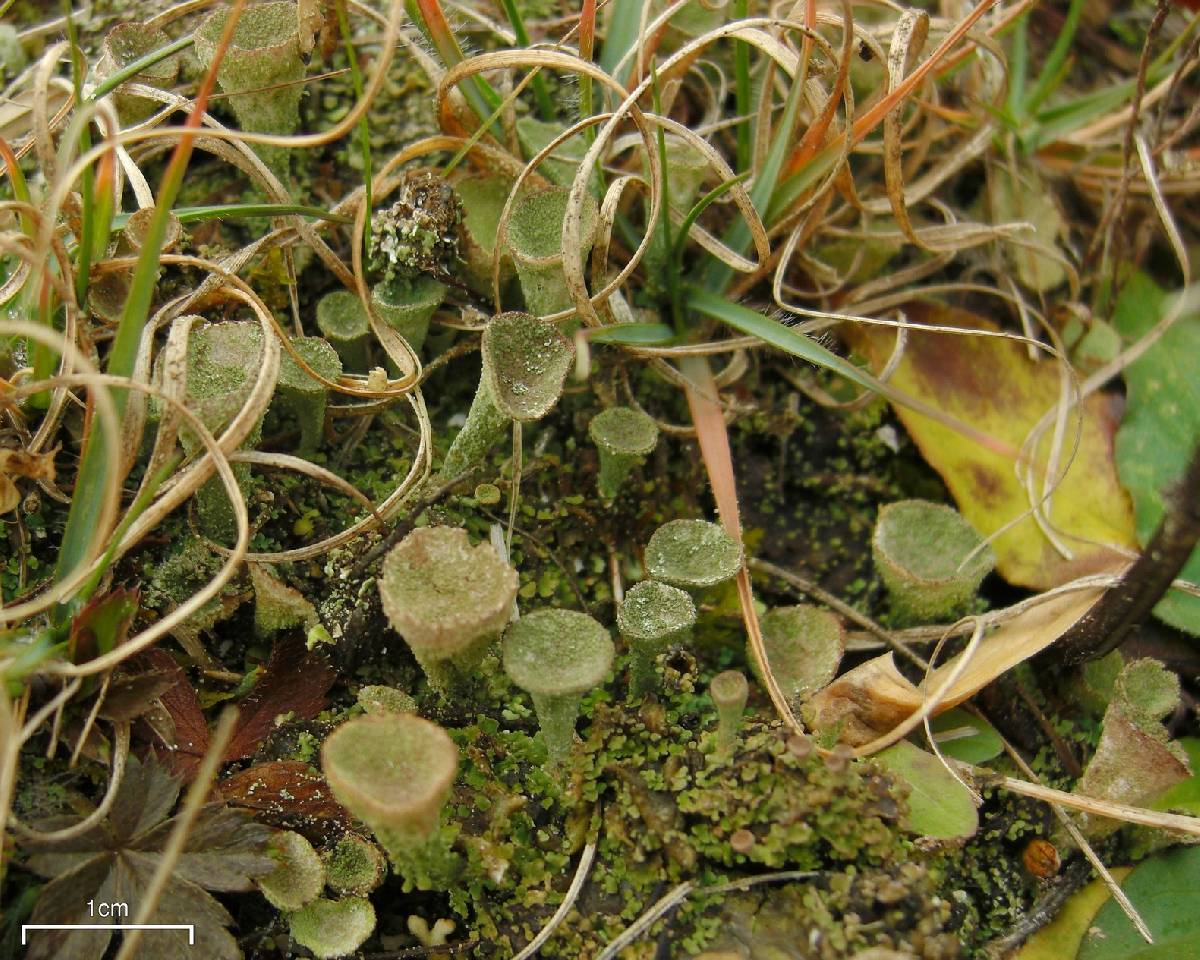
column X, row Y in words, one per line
column 177, row 720
column 287, row 793
column 293, row 683
column 874, row 697
column 1134, row 763
column 114, row 862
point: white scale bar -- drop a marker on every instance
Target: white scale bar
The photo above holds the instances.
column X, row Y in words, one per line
column 189, row 927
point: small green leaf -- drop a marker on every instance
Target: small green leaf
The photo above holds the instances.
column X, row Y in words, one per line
column 632, row 333
column 1164, row 892
column 966, row 737
column 1161, row 425
column 939, row 806
column 1061, row 938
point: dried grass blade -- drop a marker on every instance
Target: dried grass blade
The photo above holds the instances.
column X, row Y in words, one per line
column 718, row 461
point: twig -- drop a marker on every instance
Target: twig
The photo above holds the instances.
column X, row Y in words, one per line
column 1102, row 629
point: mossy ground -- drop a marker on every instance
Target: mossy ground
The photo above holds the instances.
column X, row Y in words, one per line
column 643, row 784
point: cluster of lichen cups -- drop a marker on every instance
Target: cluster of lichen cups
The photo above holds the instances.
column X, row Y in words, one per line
column 351, row 868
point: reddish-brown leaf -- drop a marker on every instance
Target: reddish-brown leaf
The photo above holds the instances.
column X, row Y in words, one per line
column 178, row 722
column 288, row 793
column 293, row 682
column 102, row 625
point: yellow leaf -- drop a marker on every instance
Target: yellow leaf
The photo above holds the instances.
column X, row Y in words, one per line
column 1062, row 938
column 993, row 385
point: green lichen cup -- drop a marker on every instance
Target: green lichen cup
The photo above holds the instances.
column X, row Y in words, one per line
column 729, row 692
column 303, row 394
column 299, row 875
column 223, row 361
column 394, row 773
column 408, row 305
column 260, row 71
column 344, row 323
column 692, row 554
column 804, row 645
column 557, row 656
column 535, row 241
column 525, row 361
column 652, row 618
column 108, row 291
column 482, row 198
column 447, row 599
column 919, row 549
column 354, row 866
column 125, row 44
column 623, row 437
column 332, row 928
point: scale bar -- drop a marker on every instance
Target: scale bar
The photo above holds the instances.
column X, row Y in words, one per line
column 189, row 927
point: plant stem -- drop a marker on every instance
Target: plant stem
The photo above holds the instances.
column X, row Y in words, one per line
column 1102, row 629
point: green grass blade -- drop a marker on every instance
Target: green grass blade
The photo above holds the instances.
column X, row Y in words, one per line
column 624, row 19
column 632, row 334
column 364, row 126
column 741, row 89
column 1053, row 69
column 776, row 334
column 541, row 93
column 109, row 84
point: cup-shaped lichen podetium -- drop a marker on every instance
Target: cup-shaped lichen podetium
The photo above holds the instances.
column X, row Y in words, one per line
column 919, row 548
column 394, row 773
column 123, row 45
column 556, row 656
column 729, row 692
column 804, row 645
column 525, row 360
column 653, row 617
column 332, row 928
column 692, row 554
column 261, row 69
column 223, row 361
column 344, row 323
column 108, row 291
column 482, row 198
column 623, row 436
column 406, row 305
column 447, row 599
column 535, row 240
column 304, row 395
